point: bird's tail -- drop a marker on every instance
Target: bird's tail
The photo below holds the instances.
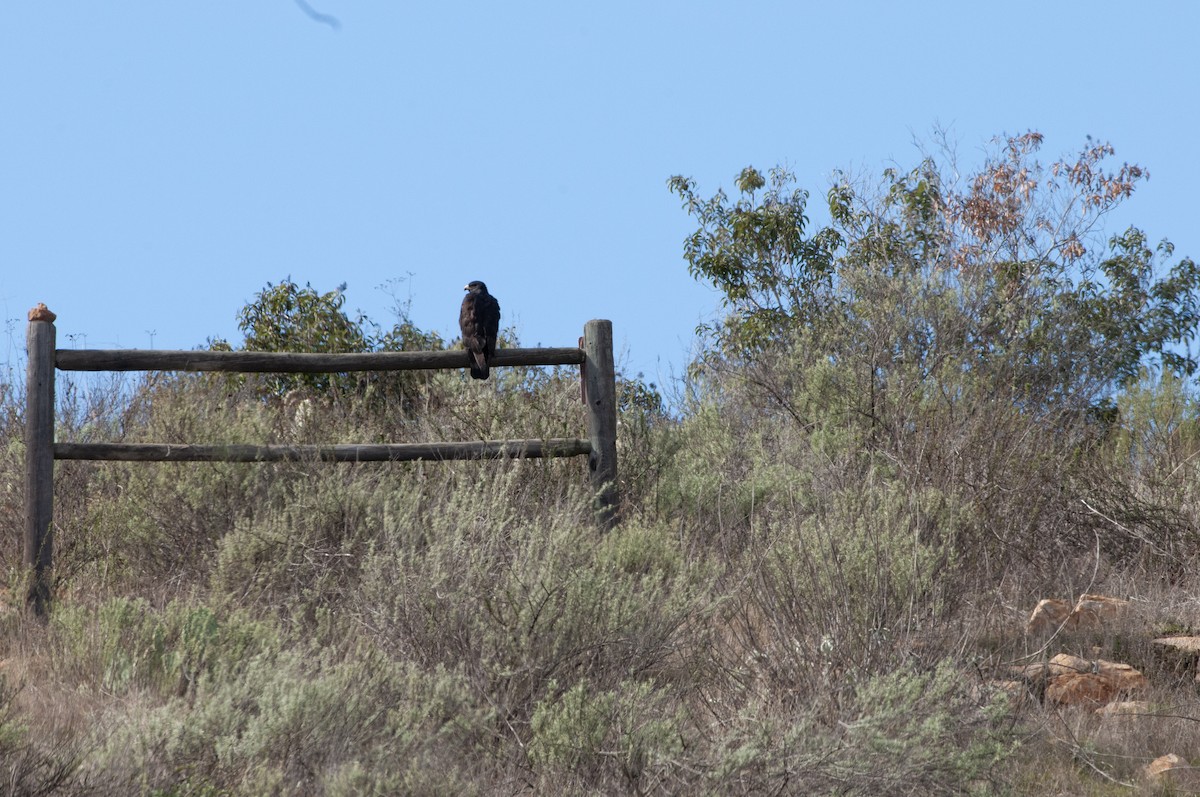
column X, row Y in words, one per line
column 479, row 365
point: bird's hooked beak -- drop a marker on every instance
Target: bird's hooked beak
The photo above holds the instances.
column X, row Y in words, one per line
column 466, row 287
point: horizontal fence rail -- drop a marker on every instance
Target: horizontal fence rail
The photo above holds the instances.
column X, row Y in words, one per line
column 594, row 357
column 294, row 363
column 353, row 452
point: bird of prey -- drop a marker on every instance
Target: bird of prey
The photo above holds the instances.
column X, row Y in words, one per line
column 480, row 323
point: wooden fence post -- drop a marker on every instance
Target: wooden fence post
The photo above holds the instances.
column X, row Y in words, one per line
column 600, row 393
column 39, row 459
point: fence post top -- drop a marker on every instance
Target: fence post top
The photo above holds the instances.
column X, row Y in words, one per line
column 40, row 312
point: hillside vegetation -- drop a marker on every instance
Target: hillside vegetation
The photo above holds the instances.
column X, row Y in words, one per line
column 910, row 425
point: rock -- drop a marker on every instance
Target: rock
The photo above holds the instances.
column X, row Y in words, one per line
column 41, row 312
column 1047, row 617
column 1124, row 708
column 1090, row 612
column 1163, row 763
column 1072, row 680
column 1061, row 664
column 1173, row 770
column 1180, row 653
column 1066, row 664
column 1079, row 681
column 1093, row 611
column 1189, row 645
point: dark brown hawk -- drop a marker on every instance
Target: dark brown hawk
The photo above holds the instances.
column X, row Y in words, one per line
column 480, row 323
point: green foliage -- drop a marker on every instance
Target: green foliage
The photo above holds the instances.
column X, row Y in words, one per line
column 291, row 723
column 877, row 548
column 1006, row 283
column 166, row 518
column 288, row 318
column 300, row 557
column 969, row 336
column 912, row 719
column 125, row 645
column 1159, row 429
column 525, row 600
column 1137, row 314
column 579, row 735
column 901, row 732
column 756, row 253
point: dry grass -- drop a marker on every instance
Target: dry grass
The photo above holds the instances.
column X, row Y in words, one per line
column 776, row 615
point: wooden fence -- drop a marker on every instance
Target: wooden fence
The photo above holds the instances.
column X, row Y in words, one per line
column 594, row 356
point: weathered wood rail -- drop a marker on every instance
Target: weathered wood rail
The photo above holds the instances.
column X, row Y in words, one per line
column 353, row 452
column 594, row 356
column 259, row 362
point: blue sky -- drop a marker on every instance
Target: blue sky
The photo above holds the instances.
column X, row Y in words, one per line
column 161, row 162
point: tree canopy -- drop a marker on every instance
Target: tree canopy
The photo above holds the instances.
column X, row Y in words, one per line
column 1003, row 276
column 288, row 317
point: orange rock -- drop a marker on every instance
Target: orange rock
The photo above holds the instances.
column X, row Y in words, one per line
column 1077, row 689
column 1180, row 653
column 1092, row 611
column 1174, row 770
column 1124, row 707
column 1183, row 644
column 1066, row 664
column 1059, row 665
column 41, row 312
column 1075, row 681
column 1047, row 617
column 1163, row 763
